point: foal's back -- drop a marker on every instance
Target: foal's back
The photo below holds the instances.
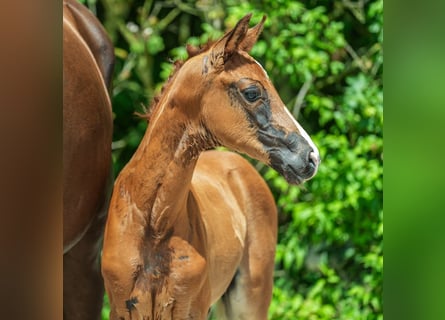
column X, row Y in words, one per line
column 240, row 217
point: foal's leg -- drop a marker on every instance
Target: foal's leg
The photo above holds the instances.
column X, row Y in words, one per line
column 250, row 292
column 83, row 288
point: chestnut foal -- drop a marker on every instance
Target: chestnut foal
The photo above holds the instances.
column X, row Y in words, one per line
column 187, row 228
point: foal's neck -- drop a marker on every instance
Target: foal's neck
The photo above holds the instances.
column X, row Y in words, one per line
column 158, row 176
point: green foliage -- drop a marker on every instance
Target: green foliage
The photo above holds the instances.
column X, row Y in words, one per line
column 326, row 60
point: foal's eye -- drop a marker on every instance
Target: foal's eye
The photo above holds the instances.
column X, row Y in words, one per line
column 252, row 93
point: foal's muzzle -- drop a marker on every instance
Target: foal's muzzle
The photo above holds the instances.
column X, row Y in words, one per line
column 293, row 158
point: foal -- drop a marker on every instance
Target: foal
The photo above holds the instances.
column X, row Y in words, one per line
column 188, row 227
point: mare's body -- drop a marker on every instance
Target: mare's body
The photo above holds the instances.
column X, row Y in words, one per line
column 88, row 60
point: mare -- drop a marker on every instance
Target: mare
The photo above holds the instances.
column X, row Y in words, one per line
column 188, row 227
column 88, row 61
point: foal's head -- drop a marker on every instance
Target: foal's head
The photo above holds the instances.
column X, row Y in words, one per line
column 233, row 100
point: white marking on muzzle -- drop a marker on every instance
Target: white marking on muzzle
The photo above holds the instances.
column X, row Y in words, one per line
column 303, row 133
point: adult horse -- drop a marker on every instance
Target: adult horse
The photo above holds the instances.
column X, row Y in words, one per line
column 88, row 61
column 187, row 227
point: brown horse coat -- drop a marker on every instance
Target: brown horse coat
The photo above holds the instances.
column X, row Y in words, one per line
column 88, row 60
column 188, row 227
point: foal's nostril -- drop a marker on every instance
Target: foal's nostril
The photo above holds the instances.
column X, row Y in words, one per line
column 313, row 159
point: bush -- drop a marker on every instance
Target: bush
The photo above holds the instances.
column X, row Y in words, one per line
column 326, row 60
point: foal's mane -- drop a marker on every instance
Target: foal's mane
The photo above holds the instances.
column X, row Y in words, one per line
column 191, row 52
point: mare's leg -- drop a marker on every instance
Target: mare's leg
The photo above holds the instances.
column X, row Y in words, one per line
column 83, row 288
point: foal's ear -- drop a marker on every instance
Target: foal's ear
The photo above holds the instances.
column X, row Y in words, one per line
column 224, row 48
column 252, row 36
